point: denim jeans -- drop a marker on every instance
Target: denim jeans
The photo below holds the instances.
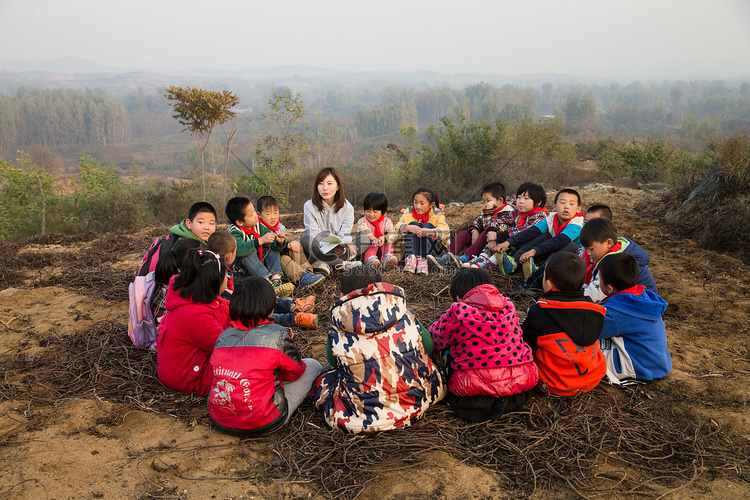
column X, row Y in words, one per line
column 421, row 247
column 271, row 264
column 282, row 313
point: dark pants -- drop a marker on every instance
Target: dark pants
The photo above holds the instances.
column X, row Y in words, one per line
column 421, row 247
column 463, row 240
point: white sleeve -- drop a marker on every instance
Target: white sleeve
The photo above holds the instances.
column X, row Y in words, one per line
column 312, row 228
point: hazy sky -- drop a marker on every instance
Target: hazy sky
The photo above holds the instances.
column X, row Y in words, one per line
column 605, row 38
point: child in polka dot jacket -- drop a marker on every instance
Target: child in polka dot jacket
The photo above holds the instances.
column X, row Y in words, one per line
column 490, row 368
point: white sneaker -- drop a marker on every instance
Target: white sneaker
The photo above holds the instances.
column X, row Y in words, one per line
column 321, row 268
column 348, row 264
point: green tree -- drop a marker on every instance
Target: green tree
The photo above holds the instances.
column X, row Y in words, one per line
column 199, row 111
column 23, row 197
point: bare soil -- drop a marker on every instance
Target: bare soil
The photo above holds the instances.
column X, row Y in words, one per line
column 82, row 414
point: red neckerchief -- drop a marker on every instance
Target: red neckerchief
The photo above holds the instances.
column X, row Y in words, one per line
column 377, row 232
column 241, row 326
column 590, row 266
column 560, row 228
column 634, row 290
column 522, row 219
column 252, row 232
column 422, row 219
column 275, row 229
column 498, row 210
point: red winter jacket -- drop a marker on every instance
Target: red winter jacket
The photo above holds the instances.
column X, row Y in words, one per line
column 563, row 328
column 489, row 356
column 248, row 368
column 187, row 336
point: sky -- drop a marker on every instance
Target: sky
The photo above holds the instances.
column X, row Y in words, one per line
column 618, row 39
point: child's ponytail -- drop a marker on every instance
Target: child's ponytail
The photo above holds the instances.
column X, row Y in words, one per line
column 201, row 276
column 170, row 263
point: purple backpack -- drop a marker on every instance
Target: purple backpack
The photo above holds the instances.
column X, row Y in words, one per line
column 141, row 325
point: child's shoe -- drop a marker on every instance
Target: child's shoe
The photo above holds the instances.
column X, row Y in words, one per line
column 309, row 278
column 463, row 259
column 444, row 262
column 422, row 266
column 306, row 320
column 321, row 268
column 507, row 263
column 410, row 264
column 528, row 268
column 304, row 304
column 283, row 289
column 389, row 261
column 373, row 262
column 481, row 262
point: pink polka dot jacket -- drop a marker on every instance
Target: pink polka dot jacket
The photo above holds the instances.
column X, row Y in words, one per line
column 489, row 356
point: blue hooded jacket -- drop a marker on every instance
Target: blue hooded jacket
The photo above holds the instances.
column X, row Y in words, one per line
column 634, row 338
column 645, row 278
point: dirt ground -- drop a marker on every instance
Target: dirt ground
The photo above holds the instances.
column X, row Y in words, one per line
column 82, row 414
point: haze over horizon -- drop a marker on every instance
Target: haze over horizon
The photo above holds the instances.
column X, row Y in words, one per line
column 621, row 40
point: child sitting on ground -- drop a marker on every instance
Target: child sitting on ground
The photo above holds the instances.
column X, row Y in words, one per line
column 381, row 375
column 259, row 378
column 287, row 312
column 473, row 239
column 250, row 246
column 196, row 316
column 595, row 211
column 599, row 238
column 199, row 225
column 563, row 328
column 291, row 255
column 379, row 231
column 170, row 264
column 634, row 338
column 424, row 230
column 529, row 202
column 490, row 368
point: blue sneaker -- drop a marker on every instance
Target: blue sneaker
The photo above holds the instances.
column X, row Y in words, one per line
column 444, row 262
column 481, row 262
column 310, row 278
column 463, row 259
column 508, row 263
column 528, row 268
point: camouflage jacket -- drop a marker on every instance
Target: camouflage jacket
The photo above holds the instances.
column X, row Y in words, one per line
column 383, row 378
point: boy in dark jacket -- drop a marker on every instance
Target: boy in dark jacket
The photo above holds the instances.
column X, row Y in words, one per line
column 634, row 338
column 599, row 238
column 563, row 328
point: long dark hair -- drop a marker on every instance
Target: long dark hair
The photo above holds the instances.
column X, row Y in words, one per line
column 201, row 276
column 339, row 198
column 170, row 263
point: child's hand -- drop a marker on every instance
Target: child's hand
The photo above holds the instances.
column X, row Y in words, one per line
column 474, row 236
column 380, row 241
column 502, row 247
column 372, row 238
column 280, row 237
column 339, row 250
column 295, row 246
column 527, row 256
column 267, row 238
column 424, row 232
column 492, row 245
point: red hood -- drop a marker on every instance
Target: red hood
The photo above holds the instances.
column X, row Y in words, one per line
column 485, row 297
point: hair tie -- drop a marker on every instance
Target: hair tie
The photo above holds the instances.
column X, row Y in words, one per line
column 218, row 259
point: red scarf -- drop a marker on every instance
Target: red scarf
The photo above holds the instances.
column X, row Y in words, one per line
column 241, row 326
column 275, row 228
column 590, row 266
column 523, row 217
column 376, row 231
column 498, row 210
column 252, row 232
column 422, row 219
column 559, row 228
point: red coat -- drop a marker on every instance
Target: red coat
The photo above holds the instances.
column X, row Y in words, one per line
column 489, row 356
column 187, row 336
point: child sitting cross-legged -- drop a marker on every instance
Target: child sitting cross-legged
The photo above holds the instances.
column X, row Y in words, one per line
column 490, row 368
column 634, row 338
column 599, row 238
column 424, row 230
column 563, row 328
column 381, row 375
column 291, row 255
column 259, row 378
column 287, row 312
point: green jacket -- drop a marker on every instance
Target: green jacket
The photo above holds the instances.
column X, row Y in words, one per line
column 263, row 230
column 246, row 244
column 182, row 231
